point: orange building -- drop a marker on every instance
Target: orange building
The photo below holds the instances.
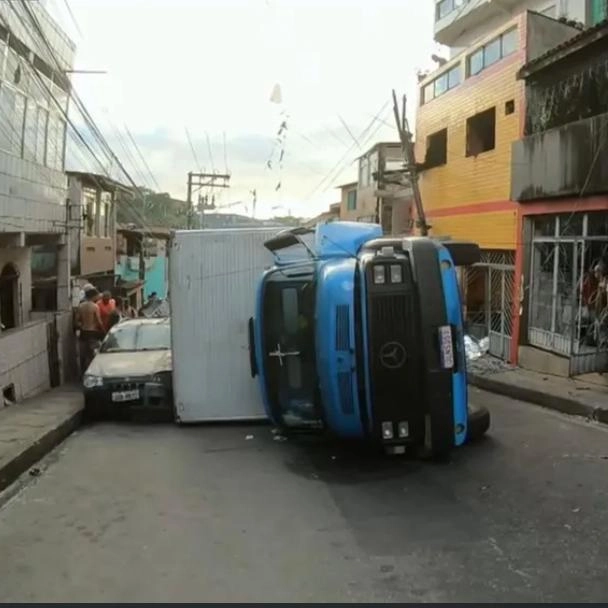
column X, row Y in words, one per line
column 470, row 112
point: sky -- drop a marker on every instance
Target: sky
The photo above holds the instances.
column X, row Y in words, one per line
column 207, row 69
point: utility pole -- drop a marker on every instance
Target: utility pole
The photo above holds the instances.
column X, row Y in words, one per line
column 196, row 181
column 409, row 172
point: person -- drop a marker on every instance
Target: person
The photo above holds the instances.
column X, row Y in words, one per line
column 107, row 305
column 118, row 314
column 90, row 326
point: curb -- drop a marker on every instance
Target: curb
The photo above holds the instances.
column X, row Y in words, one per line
column 14, row 468
column 565, row 405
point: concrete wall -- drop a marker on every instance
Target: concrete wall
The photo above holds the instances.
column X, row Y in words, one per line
column 21, row 258
column 491, row 15
column 24, row 359
column 557, row 162
column 544, row 33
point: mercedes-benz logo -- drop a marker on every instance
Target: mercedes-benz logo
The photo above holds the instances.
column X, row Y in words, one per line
column 392, row 355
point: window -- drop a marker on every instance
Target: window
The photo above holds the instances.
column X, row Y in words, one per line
column 444, row 82
column 428, row 92
column 89, row 210
column 444, row 8
column 454, row 77
column 510, row 107
column 508, row 42
column 363, row 174
column 130, row 337
column 436, row 149
column 491, row 52
column 481, row 132
column 42, row 120
column 351, row 200
column 31, row 131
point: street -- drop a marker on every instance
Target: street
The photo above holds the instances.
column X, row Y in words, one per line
column 127, row 513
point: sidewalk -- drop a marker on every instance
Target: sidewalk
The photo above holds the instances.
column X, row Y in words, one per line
column 32, row 428
column 562, row 394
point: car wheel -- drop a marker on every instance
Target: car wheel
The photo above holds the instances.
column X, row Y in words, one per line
column 91, row 409
column 478, row 422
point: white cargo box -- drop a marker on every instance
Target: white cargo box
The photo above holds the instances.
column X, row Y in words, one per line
column 213, row 277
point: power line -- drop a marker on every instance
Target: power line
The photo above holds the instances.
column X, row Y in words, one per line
column 194, row 155
column 143, row 158
column 80, row 106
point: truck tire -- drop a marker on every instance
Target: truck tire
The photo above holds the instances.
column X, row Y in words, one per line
column 478, row 422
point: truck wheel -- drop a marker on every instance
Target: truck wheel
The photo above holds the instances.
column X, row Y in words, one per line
column 478, row 422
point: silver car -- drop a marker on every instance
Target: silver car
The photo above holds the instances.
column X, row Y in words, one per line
column 132, row 369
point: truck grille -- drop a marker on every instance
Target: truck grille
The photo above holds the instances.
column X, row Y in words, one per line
column 395, row 356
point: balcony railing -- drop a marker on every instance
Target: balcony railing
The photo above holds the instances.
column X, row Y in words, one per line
column 571, row 160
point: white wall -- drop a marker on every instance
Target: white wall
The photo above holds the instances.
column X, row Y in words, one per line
column 24, row 359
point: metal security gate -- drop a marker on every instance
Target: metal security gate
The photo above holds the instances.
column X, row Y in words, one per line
column 488, row 294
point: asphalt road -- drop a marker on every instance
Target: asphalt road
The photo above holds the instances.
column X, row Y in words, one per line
column 161, row 513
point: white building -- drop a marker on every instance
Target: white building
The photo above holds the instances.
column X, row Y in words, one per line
column 459, row 24
column 35, row 304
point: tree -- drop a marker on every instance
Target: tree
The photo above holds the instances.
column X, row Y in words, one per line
column 151, row 209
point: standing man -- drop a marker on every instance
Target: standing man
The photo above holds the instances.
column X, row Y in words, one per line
column 88, row 321
column 107, row 305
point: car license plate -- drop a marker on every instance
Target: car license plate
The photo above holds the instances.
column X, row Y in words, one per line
column 446, row 347
column 125, row 396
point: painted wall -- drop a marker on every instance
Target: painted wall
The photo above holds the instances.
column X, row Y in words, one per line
column 127, row 268
column 468, row 197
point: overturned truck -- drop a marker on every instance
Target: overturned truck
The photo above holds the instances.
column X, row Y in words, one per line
column 361, row 336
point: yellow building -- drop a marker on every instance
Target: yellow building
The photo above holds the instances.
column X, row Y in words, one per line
column 470, row 112
column 468, row 117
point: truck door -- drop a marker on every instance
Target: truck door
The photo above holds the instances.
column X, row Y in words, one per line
column 290, row 352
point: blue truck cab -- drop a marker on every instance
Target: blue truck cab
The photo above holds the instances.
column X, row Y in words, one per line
column 362, row 336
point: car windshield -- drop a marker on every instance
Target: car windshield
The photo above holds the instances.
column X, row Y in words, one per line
column 130, row 337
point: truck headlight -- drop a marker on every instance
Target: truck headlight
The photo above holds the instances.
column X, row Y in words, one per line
column 403, row 430
column 396, row 273
column 387, row 430
column 379, row 275
column 90, row 381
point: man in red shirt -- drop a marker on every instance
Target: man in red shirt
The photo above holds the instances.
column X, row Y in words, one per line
column 107, row 305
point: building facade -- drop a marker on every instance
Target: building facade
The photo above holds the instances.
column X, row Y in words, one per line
column 461, row 24
column 470, row 112
column 376, row 196
column 35, row 311
column 560, row 180
column 142, row 259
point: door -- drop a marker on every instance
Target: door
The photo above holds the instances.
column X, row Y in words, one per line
column 290, row 352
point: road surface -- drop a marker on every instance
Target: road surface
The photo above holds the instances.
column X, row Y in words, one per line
column 124, row 513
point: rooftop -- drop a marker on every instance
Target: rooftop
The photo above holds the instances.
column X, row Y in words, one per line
column 565, row 49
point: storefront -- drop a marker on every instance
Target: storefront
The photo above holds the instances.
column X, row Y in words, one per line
column 566, row 287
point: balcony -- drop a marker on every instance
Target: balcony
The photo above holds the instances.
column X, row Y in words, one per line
column 564, row 161
column 467, row 15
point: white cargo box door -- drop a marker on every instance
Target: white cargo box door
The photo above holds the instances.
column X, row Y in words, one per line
column 213, row 280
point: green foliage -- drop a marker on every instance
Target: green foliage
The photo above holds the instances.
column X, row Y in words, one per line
column 156, row 209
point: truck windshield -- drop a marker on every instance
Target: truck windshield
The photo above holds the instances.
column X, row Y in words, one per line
column 137, row 337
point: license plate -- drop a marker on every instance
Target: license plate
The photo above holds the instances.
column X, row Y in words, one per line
column 125, row 396
column 446, row 347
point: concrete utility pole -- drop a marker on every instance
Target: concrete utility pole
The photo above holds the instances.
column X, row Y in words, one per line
column 409, row 172
column 196, row 181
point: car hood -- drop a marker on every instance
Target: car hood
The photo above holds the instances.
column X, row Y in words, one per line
column 141, row 363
